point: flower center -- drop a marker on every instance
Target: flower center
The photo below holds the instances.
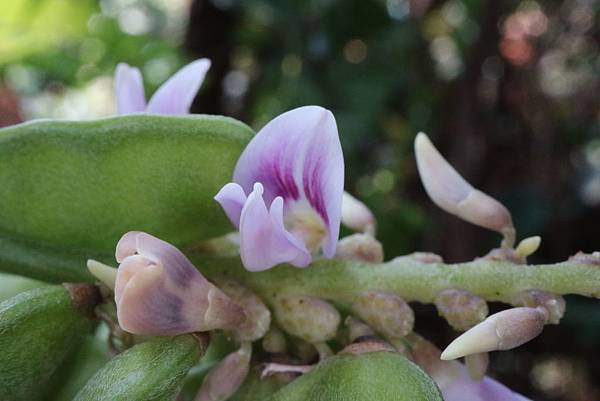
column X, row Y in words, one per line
column 302, row 221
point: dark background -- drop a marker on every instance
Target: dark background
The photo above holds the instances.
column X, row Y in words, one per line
column 507, row 90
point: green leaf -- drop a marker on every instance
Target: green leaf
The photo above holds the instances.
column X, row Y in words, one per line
column 70, row 189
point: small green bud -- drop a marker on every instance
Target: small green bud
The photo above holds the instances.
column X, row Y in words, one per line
column 461, row 309
column 385, row 312
column 311, row 319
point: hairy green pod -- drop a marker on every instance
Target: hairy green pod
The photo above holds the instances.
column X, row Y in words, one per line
column 11, row 285
column 70, row 189
column 374, row 376
column 78, row 368
column 38, row 330
column 151, row 371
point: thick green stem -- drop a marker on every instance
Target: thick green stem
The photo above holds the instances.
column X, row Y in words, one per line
column 340, row 281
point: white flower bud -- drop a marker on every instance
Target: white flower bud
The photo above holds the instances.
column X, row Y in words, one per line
column 451, row 192
column 356, row 215
column 501, row 331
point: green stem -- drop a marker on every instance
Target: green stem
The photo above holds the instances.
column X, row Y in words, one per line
column 340, row 281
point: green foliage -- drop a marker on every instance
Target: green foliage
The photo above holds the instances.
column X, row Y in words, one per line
column 70, row 190
column 151, row 371
column 38, row 329
column 381, row 376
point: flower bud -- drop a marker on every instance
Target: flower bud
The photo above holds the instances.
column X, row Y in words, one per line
column 421, row 257
column 159, row 292
column 360, row 247
column 274, row 341
column 356, row 215
column 106, row 274
column 357, row 329
column 528, row 246
column 386, row 312
column 454, row 194
column 461, row 309
column 554, row 304
column 311, row 319
column 501, row 331
column 227, row 376
column 258, row 316
column 586, row 258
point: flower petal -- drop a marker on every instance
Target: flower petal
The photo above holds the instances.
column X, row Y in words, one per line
column 264, row 241
column 176, row 95
column 232, row 198
column 159, row 292
column 298, row 156
column 129, row 90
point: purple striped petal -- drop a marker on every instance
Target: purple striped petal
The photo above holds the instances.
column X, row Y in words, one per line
column 159, row 292
column 129, row 90
column 298, row 156
column 176, row 95
column 264, row 241
column 232, row 198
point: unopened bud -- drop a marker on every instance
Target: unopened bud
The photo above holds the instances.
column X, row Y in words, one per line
column 311, row 319
column 586, row 258
column 105, row 273
column 554, row 304
column 477, row 365
column 258, row 316
column 385, row 312
column 461, row 309
column 227, row 376
column 501, row 331
column 528, row 246
column 274, row 341
column 451, row 192
column 360, row 247
column 357, row 329
column 421, row 257
column 159, row 292
column 356, row 215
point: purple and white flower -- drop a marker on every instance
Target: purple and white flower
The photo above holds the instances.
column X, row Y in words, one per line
column 159, row 292
column 286, row 194
column 175, row 96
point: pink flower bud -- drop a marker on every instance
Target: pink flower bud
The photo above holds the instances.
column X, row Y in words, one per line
column 159, row 292
column 356, row 215
column 227, row 376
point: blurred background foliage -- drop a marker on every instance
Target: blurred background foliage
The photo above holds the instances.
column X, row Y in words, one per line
column 508, row 91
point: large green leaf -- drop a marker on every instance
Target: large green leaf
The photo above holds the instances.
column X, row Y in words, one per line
column 70, row 189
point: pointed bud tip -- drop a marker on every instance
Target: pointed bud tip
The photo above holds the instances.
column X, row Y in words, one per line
column 106, row 274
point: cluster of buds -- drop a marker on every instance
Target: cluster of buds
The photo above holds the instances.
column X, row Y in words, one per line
column 288, row 209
